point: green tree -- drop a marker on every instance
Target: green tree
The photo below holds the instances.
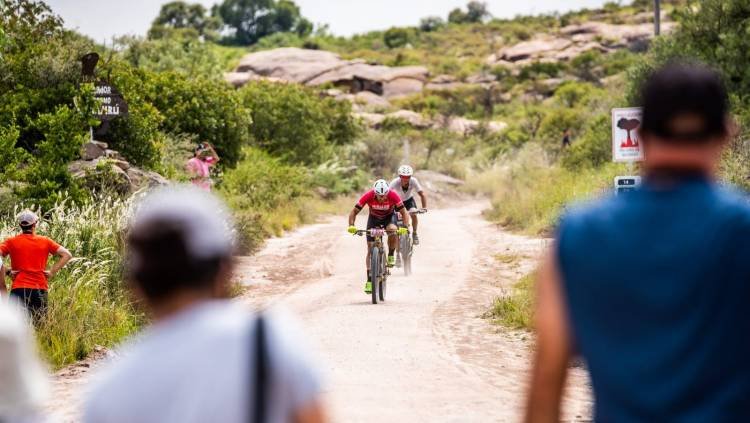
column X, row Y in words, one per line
column 477, row 11
column 431, row 23
column 180, row 51
column 457, row 16
column 181, row 15
column 396, row 37
column 251, row 20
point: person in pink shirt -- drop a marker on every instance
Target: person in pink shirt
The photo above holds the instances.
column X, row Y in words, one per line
column 384, row 203
column 199, row 167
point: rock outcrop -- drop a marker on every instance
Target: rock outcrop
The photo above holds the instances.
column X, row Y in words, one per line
column 574, row 40
column 457, row 125
column 101, row 167
column 317, row 67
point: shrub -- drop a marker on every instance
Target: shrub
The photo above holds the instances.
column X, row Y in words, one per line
column 593, row 148
column 293, row 123
column 379, row 153
column 264, row 192
column 207, row 108
column 396, row 37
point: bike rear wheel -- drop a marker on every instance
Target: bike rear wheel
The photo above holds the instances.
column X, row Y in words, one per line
column 375, row 272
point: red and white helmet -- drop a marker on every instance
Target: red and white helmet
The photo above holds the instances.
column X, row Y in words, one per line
column 405, row 170
column 381, row 187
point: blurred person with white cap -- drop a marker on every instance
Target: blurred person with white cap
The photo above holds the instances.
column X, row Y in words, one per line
column 29, row 254
column 204, row 358
column 24, row 384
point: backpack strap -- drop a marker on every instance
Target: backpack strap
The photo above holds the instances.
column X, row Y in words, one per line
column 260, row 373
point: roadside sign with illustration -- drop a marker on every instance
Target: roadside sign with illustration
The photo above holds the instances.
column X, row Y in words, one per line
column 624, row 184
column 626, row 145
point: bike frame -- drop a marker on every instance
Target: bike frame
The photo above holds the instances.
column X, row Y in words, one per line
column 379, row 275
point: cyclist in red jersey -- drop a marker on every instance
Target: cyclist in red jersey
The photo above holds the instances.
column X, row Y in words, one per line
column 383, row 204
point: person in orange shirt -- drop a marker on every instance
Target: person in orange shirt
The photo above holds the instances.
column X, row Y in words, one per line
column 29, row 253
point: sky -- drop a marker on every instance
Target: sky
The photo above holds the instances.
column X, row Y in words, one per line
column 104, row 19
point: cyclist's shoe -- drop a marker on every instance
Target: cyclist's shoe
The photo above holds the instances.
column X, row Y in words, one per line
column 402, row 231
column 398, row 260
column 391, row 261
column 352, row 230
column 368, row 287
column 415, row 238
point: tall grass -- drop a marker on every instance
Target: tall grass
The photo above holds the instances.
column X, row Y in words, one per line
column 88, row 305
column 529, row 195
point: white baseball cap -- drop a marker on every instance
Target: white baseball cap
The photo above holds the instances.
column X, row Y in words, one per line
column 24, row 382
column 27, row 218
column 205, row 222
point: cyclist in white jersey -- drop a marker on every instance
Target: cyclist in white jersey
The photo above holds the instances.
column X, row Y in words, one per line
column 406, row 185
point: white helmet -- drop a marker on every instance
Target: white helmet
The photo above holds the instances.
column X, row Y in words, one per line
column 27, row 218
column 405, row 170
column 381, row 187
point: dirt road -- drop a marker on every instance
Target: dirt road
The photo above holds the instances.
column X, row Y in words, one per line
column 426, row 354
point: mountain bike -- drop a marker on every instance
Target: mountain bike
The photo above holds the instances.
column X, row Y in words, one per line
column 379, row 270
column 406, row 243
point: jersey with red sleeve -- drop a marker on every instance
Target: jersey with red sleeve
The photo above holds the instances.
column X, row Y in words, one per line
column 380, row 209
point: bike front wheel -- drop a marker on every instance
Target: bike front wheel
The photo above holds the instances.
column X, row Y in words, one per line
column 375, row 272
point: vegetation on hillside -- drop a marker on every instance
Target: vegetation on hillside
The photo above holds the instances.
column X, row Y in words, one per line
column 176, row 97
column 711, row 31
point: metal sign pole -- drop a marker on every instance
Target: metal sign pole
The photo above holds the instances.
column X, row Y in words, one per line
column 657, row 17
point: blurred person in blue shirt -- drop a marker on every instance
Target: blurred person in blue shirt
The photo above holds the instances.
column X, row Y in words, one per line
column 651, row 288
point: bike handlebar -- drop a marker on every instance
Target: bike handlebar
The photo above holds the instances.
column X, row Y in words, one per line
column 375, row 232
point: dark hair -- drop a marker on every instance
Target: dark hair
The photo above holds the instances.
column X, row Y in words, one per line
column 680, row 89
column 160, row 264
column 27, row 229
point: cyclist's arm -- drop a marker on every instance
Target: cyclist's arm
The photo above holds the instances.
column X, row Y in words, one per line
column 405, row 216
column 65, row 257
column 423, row 198
column 553, row 346
column 353, row 214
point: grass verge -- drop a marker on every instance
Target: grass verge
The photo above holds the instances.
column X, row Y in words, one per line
column 88, row 304
column 516, row 309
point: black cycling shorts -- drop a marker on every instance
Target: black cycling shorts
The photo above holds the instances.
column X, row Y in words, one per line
column 374, row 222
column 410, row 204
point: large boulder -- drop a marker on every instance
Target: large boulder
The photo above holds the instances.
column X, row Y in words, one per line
column 290, row 64
column 533, row 48
column 413, row 118
column 573, row 40
column 101, row 175
column 93, row 150
column 317, row 67
column 112, row 174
